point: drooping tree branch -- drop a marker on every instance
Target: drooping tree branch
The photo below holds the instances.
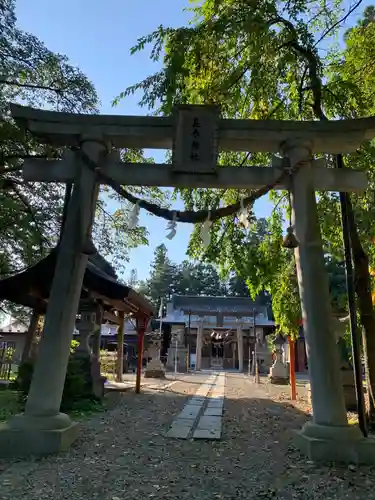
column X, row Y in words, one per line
column 32, row 86
column 339, row 22
column 308, row 54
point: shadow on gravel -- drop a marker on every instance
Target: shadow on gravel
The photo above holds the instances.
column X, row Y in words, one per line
column 193, row 382
column 124, row 454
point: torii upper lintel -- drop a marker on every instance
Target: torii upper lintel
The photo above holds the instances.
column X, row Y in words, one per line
column 65, row 129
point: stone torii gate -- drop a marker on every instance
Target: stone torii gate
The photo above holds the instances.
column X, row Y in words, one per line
column 196, row 134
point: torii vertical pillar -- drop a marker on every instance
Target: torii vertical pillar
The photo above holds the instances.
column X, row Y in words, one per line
column 328, row 436
column 42, row 429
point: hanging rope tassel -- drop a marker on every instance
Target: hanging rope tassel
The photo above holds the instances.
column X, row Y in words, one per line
column 290, row 240
column 206, row 232
column 243, row 215
column 172, row 227
column 134, row 216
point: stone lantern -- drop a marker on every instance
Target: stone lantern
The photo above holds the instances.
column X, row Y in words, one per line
column 279, row 371
column 177, row 353
column 155, row 368
column 87, row 352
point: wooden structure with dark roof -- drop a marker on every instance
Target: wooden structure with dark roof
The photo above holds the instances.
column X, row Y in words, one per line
column 31, row 287
column 220, row 306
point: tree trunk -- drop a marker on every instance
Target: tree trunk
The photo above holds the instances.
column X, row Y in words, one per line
column 362, row 283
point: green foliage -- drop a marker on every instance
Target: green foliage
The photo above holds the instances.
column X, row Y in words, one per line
column 108, row 362
column 263, row 60
column 337, row 283
column 161, row 283
column 270, row 267
column 73, row 346
column 78, row 383
column 241, row 55
column 9, row 404
column 86, row 408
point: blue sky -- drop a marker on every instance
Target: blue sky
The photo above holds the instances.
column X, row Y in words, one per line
column 97, row 36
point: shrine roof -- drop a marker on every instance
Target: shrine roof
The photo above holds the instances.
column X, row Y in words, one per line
column 14, row 326
column 31, row 287
column 226, row 305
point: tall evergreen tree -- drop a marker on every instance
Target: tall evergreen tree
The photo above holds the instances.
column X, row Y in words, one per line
column 162, row 277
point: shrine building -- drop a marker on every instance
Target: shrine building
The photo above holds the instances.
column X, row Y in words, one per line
column 219, row 332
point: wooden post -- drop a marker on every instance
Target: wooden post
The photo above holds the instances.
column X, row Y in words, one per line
column 141, row 328
column 257, row 377
column 30, row 335
column 139, row 361
column 292, row 369
column 120, row 347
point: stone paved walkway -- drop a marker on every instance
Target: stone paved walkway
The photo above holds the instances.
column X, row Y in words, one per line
column 125, row 454
column 201, row 418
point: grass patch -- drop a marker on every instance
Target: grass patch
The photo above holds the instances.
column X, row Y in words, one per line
column 10, row 404
column 87, row 408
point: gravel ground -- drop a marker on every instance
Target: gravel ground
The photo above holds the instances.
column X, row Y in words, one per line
column 281, row 393
column 130, row 379
column 124, row 454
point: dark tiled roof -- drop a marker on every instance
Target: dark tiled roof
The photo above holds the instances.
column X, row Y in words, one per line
column 99, row 277
column 229, row 305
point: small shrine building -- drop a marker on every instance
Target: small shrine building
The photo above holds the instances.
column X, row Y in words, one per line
column 218, row 332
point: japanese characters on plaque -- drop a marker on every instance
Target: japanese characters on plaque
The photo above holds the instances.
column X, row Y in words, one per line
column 195, row 141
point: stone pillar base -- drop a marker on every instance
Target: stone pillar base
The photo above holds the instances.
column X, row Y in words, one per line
column 155, row 369
column 279, row 373
column 343, row 444
column 22, row 442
